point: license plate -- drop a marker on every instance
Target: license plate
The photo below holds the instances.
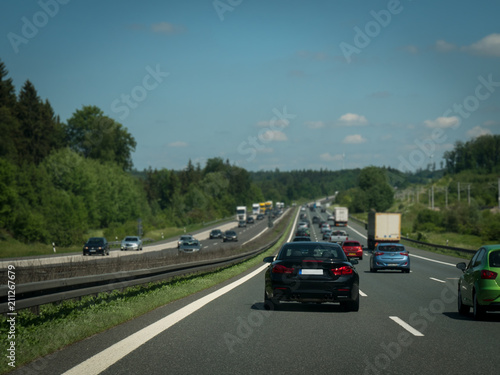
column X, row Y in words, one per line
column 311, row 272
column 392, row 264
column 352, row 254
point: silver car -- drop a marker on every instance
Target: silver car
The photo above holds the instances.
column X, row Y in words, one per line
column 190, row 246
column 131, row 243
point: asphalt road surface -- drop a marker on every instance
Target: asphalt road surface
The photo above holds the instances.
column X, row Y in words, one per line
column 407, row 324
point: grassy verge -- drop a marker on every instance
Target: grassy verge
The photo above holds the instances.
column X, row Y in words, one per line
column 59, row 325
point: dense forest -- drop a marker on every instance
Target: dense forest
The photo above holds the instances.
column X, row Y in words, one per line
column 60, row 180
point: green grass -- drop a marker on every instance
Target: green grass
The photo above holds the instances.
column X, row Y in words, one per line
column 59, row 325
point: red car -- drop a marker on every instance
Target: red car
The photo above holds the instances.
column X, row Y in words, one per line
column 353, row 249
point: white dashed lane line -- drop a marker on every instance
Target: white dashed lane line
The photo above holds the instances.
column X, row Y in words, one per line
column 406, row 326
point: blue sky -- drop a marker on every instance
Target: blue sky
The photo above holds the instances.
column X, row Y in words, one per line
column 267, row 84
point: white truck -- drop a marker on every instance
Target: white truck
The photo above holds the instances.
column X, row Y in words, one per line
column 383, row 227
column 341, row 215
column 255, row 209
column 241, row 213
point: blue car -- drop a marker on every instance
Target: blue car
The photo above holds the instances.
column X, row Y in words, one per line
column 390, row 256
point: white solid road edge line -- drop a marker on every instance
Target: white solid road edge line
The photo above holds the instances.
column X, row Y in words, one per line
column 106, row 358
column 406, row 326
column 439, row 281
column 101, row 361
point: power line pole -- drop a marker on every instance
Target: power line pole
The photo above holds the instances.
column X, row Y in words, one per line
column 499, row 193
column 459, row 191
column 446, row 196
column 432, row 197
column 468, row 194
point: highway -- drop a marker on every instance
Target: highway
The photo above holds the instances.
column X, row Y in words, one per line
column 168, row 246
column 407, row 324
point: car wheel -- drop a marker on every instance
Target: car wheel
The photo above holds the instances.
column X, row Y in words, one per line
column 353, row 305
column 361, row 258
column 270, row 303
column 372, row 269
column 462, row 309
column 478, row 310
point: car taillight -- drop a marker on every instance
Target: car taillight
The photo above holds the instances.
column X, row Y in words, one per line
column 378, row 253
column 404, row 254
column 278, row 268
column 488, row 275
column 344, row 270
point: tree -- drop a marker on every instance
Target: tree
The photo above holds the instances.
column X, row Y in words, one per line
column 93, row 135
column 378, row 194
column 39, row 128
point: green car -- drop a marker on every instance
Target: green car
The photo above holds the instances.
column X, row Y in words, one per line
column 479, row 286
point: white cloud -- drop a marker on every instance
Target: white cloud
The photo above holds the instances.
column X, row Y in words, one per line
column 266, row 150
column 491, row 123
column 315, row 124
column 354, row 139
column 352, row 119
column 273, row 135
column 478, row 131
column 166, row 28
column 488, row 46
column 411, row 49
column 444, row 46
column 328, row 157
column 177, row 144
column 443, row 122
column 281, row 123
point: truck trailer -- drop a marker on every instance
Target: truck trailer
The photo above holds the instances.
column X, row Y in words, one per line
column 341, row 216
column 241, row 213
column 383, row 227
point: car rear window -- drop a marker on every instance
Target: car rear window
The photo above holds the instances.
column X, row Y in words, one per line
column 351, row 244
column 391, row 248
column 312, row 251
column 495, row 258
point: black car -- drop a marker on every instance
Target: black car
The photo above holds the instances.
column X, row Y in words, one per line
column 311, row 272
column 260, row 216
column 215, row 233
column 250, row 220
column 230, row 235
column 316, row 220
column 96, row 245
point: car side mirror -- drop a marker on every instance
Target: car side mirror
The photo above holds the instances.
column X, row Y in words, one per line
column 462, row 266
column 268, row 259
column 354, row 261
column 366, row 226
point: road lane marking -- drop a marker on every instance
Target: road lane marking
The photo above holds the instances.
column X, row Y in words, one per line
column 362, row 294
column 413, row 255
column 354, row 230
column 432, row 260
column 439, row 281
column 406, row 326
column 108, row 357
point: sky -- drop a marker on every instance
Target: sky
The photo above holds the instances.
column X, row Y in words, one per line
column 267, row 84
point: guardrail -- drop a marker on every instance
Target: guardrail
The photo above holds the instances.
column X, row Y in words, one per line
column 468, row 251
column 40, row 293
